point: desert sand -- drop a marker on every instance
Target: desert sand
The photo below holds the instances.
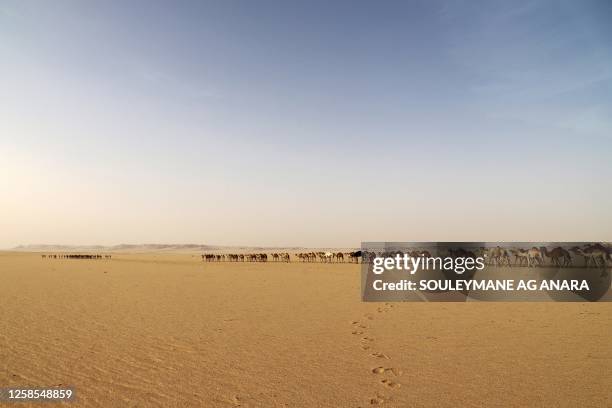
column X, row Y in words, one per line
column 168, row 330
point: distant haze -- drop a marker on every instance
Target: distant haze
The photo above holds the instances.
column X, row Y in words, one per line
column 318, row 124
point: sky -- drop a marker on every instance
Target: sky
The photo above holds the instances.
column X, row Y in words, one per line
column 304, row 123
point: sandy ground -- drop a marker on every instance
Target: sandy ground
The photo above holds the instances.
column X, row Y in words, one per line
column 167, row 330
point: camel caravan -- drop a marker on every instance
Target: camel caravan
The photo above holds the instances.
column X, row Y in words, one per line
column 75, row 256
column 590, row 255
column 261, row 257
column 329, row 257
column 322, row 257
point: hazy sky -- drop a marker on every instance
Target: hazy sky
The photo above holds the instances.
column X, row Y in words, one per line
column 318, row 124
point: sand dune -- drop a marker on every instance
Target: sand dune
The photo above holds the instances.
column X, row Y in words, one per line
column 168, row 330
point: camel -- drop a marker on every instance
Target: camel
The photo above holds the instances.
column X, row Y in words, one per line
column 558, row 256
column 310, row 257
column 327, row 257
column 592, row 253
column 520, row 255
column 600, row 247
column 534, row 257
column 498, row 255
column 354, row 256
column 598, row 250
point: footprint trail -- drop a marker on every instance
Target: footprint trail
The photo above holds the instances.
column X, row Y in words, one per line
column 367, row 343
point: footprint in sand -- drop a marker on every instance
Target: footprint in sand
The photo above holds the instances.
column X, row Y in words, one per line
column 365, row 347
column 382, row 370
column 390, row 384
column 380, row 355
column 367, row 339
column 377, row 400
column 357, row 332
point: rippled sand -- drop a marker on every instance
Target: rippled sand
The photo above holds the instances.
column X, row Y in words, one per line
column 167, row 330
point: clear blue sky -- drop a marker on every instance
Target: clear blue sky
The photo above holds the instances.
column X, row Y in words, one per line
column 304, row 123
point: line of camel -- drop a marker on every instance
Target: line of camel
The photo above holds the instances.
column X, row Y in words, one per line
column 324, row 257
column 75, row 256
column 595, row 255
